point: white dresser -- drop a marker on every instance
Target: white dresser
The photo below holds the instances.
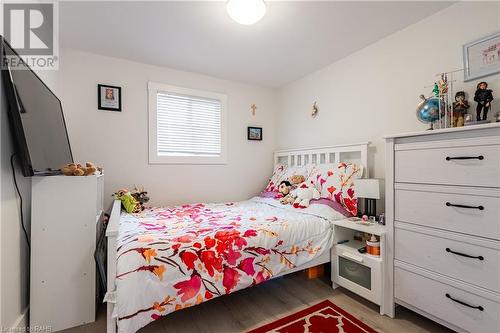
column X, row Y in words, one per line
column 443, row 225
column 64, row 213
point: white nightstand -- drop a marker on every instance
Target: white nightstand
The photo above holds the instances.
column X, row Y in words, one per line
column 361, row 273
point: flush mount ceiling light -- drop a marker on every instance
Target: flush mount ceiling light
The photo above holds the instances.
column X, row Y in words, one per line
column 246, row 11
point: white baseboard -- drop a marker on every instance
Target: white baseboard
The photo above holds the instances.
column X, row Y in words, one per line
column 22, row 320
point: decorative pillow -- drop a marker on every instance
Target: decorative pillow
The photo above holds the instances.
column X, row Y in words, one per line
column 336, row 183
column 279, row 174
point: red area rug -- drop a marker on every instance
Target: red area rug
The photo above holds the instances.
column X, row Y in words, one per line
column 324, row 317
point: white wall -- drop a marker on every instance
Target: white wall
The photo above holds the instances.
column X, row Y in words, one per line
column 118, row 141
column 14, row 265
column 374, row 91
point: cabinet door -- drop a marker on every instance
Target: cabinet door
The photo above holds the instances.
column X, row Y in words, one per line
column 63, row 238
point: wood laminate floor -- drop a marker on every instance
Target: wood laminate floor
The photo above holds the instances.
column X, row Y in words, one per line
column 253, row 307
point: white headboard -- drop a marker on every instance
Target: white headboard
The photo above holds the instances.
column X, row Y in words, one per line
column 354, row 153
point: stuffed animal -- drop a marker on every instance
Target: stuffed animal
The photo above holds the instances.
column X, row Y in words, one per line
column 304, row 193
column 129, row 203
column 76, row 169
column 291, row 184
column 284, row 188
column 72, row 169
column 90, row 168
column 141, row 196
column 295, row 180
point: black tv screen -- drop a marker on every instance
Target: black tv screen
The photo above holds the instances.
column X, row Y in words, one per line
column 36, row 117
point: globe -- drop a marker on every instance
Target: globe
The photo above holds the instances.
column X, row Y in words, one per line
column 428, row 110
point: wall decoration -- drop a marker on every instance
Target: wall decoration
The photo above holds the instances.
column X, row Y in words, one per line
column 254, row 109
column 109, row 98
column 254, row 133
column 314, row 110
column 482, row 57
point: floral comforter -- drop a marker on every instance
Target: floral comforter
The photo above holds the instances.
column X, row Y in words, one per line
column 173, row 258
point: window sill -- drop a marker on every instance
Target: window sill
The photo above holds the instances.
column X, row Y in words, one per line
column 220, row 160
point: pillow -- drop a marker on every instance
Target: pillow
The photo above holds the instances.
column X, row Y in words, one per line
column 296, row 170
column 279, row 174
column 335, row 182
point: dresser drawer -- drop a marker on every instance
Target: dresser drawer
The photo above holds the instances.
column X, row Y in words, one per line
column 473, row 164
column 446, row 253
column 433, row 206
column 442, row 300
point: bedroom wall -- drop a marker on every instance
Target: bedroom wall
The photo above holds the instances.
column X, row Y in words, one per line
column 374, row 92
column 118, row 141
column 14, row 259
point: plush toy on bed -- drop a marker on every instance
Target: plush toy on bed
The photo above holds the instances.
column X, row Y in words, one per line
column 129, row 203
column 303, row 194
column 284, row 189
column 290, row 185
column 295, row 180
column 140, row 195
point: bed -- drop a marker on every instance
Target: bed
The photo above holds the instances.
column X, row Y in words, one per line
column 167, row 259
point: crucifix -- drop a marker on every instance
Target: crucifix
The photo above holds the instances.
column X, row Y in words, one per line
column 254, row 108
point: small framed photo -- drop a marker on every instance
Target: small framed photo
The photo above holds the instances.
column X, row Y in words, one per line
column 482, row 57
column 109, row 98
column 254, row 133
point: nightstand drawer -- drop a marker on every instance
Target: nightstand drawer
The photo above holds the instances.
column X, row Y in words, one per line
column 468, row 210
column 470, row 259
column 360, row 273
column 467, row 165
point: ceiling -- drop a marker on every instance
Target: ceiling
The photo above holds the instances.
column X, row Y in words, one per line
column 293, row 39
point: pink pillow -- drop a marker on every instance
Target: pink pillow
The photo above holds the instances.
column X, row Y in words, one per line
column 336, row 182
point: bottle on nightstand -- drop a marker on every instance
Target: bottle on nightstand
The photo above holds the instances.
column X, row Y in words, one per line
column 373, row 246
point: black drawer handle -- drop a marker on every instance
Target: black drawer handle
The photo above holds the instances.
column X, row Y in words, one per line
column 463, row 254
column 480, row 157
column 479, row 307
column 464, row 206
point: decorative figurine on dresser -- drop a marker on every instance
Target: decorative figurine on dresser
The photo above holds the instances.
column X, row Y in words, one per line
column 460, row 107
column 483, row 97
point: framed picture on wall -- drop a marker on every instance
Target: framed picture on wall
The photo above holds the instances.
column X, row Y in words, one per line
column 109, row 98
column 482, row 57
column 254, row 133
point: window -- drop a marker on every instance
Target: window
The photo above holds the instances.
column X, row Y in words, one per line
column 186, row 126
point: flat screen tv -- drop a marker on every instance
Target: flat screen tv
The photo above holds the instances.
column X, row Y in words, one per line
column 36, row 117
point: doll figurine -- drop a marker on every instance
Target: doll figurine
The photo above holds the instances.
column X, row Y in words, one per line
column 483, row 97
column 460, row 107
column 285, row 188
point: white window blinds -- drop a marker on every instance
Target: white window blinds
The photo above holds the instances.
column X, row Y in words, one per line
column 188, row 125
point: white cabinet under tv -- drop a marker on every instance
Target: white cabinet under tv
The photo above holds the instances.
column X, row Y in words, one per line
column 64, row 213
